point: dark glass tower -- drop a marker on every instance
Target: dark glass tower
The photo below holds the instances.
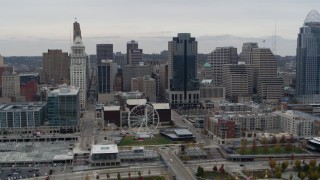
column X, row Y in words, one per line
column 308, row 59
column 104, row 52
column 183, row 67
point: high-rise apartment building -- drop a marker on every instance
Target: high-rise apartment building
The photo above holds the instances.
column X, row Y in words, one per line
column 308, row 60
column 11, row 86
column 146, row 85
column 79, row 69
column 120, row 59
column 238, row 80
column 135, row 56
column 220, row 56
column 55, row 67
column 104, row 52
column 107, row 71
column 246, row 54
column 182, row 71
column 131, row 45
column 64, row 106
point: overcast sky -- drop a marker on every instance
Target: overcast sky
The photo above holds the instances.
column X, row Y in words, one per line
column 30, row 27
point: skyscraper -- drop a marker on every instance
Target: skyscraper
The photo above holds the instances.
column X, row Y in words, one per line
column 55, row 67
column 246, row 54
column 11, row 86
column 220, row 56
column 308, row 60
column 120, row 59
column 104, row 52
column 131, row 45
column 182, row 66
column 135, row 56
column 79, row 69
column 107, row 71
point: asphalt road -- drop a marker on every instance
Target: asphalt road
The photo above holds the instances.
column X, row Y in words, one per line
column 174, row 164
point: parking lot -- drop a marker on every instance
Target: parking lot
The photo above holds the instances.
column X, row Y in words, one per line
column 30, row 170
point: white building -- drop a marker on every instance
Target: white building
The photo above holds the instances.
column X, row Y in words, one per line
column 11, row 85
column 297, row 123
column 79, row 70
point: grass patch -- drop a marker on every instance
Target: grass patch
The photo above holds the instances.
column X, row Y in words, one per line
column 131, row 141
column 212, row 174
column 271, row 150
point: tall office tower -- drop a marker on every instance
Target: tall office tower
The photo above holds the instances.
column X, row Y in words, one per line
column 55, row 67
column 64, row 106
column 163, row 72
column 3, row 69
column 79, row 70
column 118, row 81
column 11, row 86
column 76, row 30
column 120, row 59
column 130, row 46
column 238, row 81
column 266, row 84
column 220, row 56
column 104, row 52
column 107, row 71
column 264, row 65
column 130, row 71
column 308, row 60
column 135, row 56
column 246, row 54
column 182, row 65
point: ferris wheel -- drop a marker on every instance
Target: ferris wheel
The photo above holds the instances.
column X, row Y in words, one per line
column 143, row 119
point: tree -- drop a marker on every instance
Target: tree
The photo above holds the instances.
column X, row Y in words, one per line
column 312, row 163
column 282, row 139
column 274, row 140
column 306, row 167
column 254, row 146
column 297, row 164
column 200, row 171
column 50, row 172
column 97, row 176
column 185, row 157
column 243, row 147
column 215, row 169
column 313, row 175
column 139, row 173
column 264, row 140
column 288, row 147
column 272, row 164
column 87, row 177
column 302, row 175
column 119, row 176
column 277, row 148
column 221, row 169
column 278, row 174
column 284, row 165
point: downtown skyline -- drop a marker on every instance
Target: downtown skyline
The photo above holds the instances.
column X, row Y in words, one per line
column 35, row 26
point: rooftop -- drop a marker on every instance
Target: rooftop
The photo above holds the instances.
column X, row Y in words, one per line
column 133, row 102
column 111, row 108
column 104, row 149
column 64, row 90
column 161, row 105
column 22, row 106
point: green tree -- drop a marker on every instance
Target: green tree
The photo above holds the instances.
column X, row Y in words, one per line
column 302, row 175
column 215, row 169
column 278, row 174
column 243, row 147
column 284, row 165
column 312, row 163
column 313, row 175
column 185, row 158
column 264, row 140
column 297, row 164
column 272, row 164
column 288, row 147
column 306, row 167
column 254, row 146
column 277, row 148
column 200, row 171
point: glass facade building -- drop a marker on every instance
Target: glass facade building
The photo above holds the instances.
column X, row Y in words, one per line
column 308, row 60
column 63, row 107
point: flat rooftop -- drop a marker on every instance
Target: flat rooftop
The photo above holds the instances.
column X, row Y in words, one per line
column 32, row 152
column 161, row 105
column 32, row 106
column 111, row 108
column 132, row 102
column 104, row 149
